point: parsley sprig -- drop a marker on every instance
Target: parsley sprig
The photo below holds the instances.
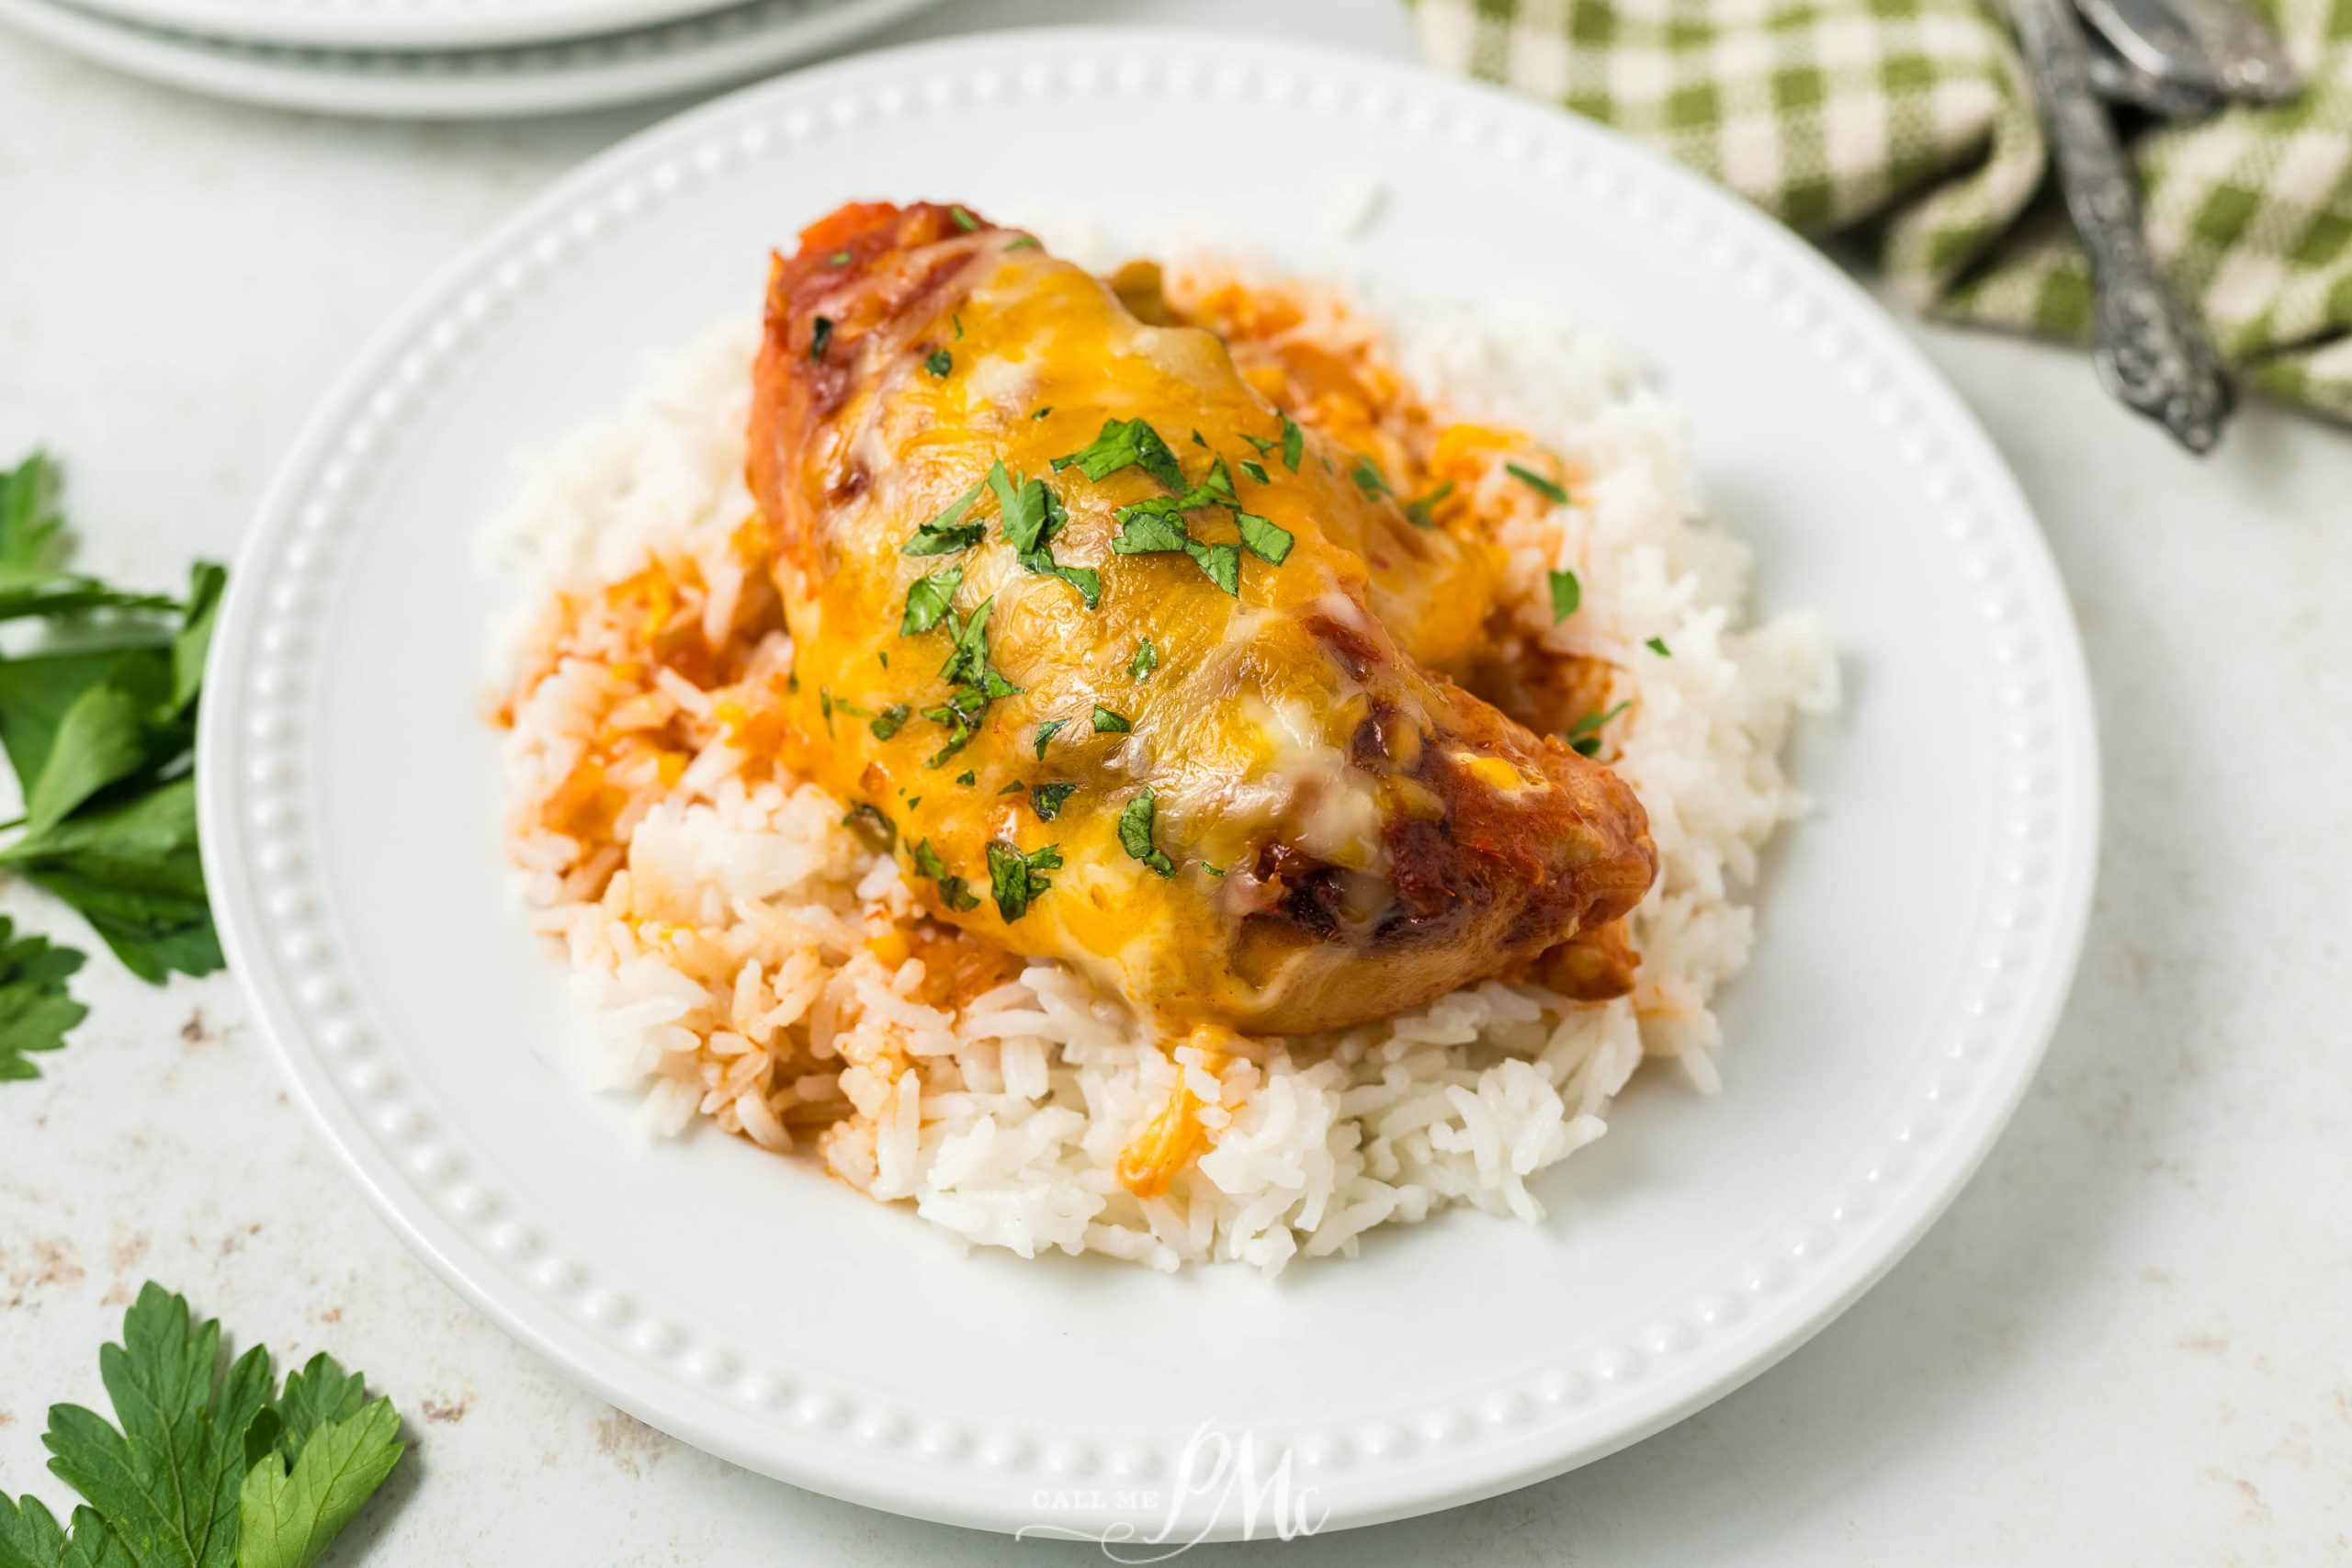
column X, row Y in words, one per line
column 101, row 735
column 203, row 1469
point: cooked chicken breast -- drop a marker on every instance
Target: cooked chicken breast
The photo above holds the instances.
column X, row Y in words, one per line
column 1091, row 628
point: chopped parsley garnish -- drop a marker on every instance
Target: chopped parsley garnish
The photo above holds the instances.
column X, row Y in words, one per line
column 927, row 599
column 1199, row 440
column 1265, row 444
column 1045, row 732
column 1584, row 736
column 839, row 258
column 967, row 659
column 958, row 323
column 967, row 778
column 1417, row 510
column 1135, row 834
column 819, row 334
column 1213, row 870
column 1109, row 723
column 1032, row 515
column 1015, row 787
column 1293, row 444
column 1567, row 594
column 1222, row 562
column 954, row 891
column 947, row 532
column 1047, row 799
column 1366, row 473
column 1256, row 470
column 889, row 721
column 1026, row 242
column 869, row 824
column 884, row 655
column 1267, row 541
column 1041, row 413
column 1124, row 443
column 964, row 219
column 1145, row 660
column 825, row 706
column 1538, row 483
column 1657, row 645
column 1013, row 876
column 1143, row 532
column 939, row 362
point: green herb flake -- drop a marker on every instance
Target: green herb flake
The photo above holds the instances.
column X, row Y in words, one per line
column 1367, row 474
column 954, row 891
column 1266, row 540
column 1657, row 645
column 927, row 599
column 964, row 219
column 1265, row 444
column 967, row 778
column 1045, row 732
column 1293, row 444
column 1015, row 877
column 1041, row 413
column 1025, row 242
column 1145, row 660
column 1256, row 470
column 1222, row 562
column 958, row 321
column 1567, row 594
column 1047, row 799
column 1199, row 440
column 889, row 721
column 1538, row 483
column 839, row 258
column 874, row 829
column 1145, row 531
column 1109, row 723
column 1419, row 511
column 820, row 333
column 1124, row 443
column 1015, row 787
column 1584, row 736
column 948, row 533
column 1135, row 834
column 939, row 362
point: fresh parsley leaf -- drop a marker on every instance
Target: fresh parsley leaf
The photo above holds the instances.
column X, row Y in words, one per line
column 102, row 739
column 1047, row 799
column 868, row 822
column 131, row 870
column 889, row 721
column 1567, row 594
column 1222, row 562
column 1045, row 732
column 820, row 333
column 1109, row 723
column 205, row 1470
column 31, row 531
column 1538, row 483
column 1293, row 444
column 967, row 660
column 1122, row 443
column 1418, row 510
column 1256, row 470
column 947, row 532
column 1657, row 645
column 36, row 1011
column 1266, row 540
column 1014, row 877
column 1085, row 579
column 1367, row 474
column 927, row 601
column 1145, row 660
column 939, row 362
column 1135, row 834
column 193, row 641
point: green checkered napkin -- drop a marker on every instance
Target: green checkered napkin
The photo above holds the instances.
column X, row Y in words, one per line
column 1911, row 121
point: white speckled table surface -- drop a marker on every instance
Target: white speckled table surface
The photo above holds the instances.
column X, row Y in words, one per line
column 2125, row 1343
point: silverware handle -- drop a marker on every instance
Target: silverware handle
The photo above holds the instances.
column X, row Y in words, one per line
column 2151, row 351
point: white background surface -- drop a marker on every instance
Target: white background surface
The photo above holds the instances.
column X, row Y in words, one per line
column 2125, row 1342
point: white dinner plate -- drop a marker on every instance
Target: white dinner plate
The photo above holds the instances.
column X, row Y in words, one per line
column 1919, row 931
column 442, row 25
column 711, row 48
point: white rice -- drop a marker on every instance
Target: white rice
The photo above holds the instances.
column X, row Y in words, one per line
column 758, row 1005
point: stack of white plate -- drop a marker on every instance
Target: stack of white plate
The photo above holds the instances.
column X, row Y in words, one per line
column 448, row 59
